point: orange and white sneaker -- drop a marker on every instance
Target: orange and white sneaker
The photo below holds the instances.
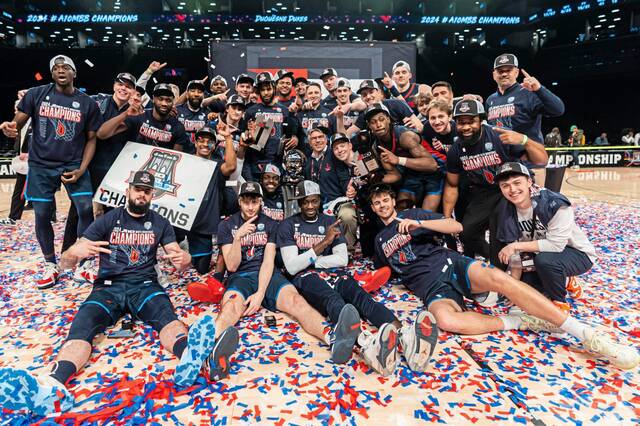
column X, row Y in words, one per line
column 49, row 276
column 563, row 306
column 85, row 273
column 574, row 288
column 372, row 281
column 211, row 291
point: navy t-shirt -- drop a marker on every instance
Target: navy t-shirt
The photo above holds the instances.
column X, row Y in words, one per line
column 107, row 150
column 325, row 172
column 133, row 242
column 273, row 205
column 252, row 245
column 295, row 231
column 192, row 122
column 416, row 257
column 60, row 124
column 482, row 160
column 398, row 110
column 150, row 131
column 409, row 96
column 279, row 114
column 521, row 110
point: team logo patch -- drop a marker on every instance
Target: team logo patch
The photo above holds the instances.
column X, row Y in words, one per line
column 147, row 225
column 75, row 104
column 503, row 60
column 464, row 107
column 488, row 146
column 162, row 165
column 321, row 229
column 260, row 227
column 167, row 127
column 511, row 99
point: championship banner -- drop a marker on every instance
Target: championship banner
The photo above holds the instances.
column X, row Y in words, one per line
column 180, row 181
column 591, row 156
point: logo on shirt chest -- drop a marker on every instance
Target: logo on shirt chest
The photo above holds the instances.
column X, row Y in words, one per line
column 155, row 134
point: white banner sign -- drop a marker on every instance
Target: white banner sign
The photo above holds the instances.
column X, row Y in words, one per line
column 180, row 181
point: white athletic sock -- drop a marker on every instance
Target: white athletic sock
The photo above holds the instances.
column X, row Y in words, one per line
column 575, row 328
column 511, row 322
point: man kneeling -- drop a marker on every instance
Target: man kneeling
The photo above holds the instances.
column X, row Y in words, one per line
column 127, row 239
column 442, row 278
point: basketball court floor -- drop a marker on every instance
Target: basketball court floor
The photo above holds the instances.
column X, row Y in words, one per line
column 283, row 376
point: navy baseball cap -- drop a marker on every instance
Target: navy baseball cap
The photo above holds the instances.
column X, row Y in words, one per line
column 236, row 100
column 283, row 73
column 300, row 80
column 196, row 84
column 162, row 89
column 125, row 77
column 506, row 59
column 244, row 78
column 339, row 137
column 264, row 78
column 206, row 130
column 328, row 72
column 512, row 168
column 374, row 109
column 142, row 178
column 250, row 188
column 368, row 84
column 468, row 107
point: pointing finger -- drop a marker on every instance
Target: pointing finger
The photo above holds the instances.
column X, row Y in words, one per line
column 525, row 73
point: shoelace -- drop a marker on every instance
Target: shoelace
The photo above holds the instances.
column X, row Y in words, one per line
column 599, row 342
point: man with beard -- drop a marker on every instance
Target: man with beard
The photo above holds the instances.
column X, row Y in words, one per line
column 520, row 106
column 477, row 154
column 127, row 239
column 192, row 114
column 284, row 87
column 370, row 93
column 273, row 199
column 442, row 278
column 313, row 116
column 268, row 109
column 155, row 127
column 64, row 122
column 107, row 151
column 401, row 147
column 315, row 255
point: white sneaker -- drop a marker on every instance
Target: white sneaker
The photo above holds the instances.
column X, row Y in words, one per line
column 163, row 279
column 487, row 299
column 85, row 273
column 529, row 322
column 625, row 357
column 49, row 276
column 380, row 350
column 419, row 341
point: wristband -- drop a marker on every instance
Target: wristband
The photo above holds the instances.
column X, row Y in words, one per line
column 402, row 161
column 525, row 139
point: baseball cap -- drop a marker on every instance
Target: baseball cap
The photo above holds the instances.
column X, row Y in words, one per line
column 468, row 107
column 379, row 187
column 140, row 90
column 343, row 82
column 328, row 72
column 196, row 84
column 374, row 109
column 61, row 60
column 264, row 77
column 283, row 73
column 250, row 188
column 512, row 168
column 317, row 126
column 221, row 78
column 142, row 178
column 300, row 80
column 270, row 168
column 367, row 84
column 506, row 59
column 400, row 64
column 236, row 100
column 125, row 77
column 206, row 130
column 244, row 78
column 339, row 137
column 162, row 89
column 306, row 188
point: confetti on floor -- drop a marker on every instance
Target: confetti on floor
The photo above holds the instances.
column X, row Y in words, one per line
column 283, row 376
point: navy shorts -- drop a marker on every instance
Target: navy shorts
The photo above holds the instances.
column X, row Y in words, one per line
column 146, row 301
column 422, row 184
column 246, row 284
column 452, row 283
column 43, row 182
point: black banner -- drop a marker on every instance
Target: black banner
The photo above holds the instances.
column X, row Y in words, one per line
column 6, row 171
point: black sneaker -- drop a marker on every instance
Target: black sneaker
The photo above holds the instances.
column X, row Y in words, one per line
column 217, row 363
column 7, row 221
column 345, row 334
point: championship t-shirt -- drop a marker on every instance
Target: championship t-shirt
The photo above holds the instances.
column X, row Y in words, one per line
column 192, row 122
column 133, row 242
column 60, row 124
column 252, row 245
column 150, row 131
column 273, row 205
column 107, row 150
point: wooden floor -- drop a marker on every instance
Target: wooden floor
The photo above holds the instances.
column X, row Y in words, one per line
column 283, row 376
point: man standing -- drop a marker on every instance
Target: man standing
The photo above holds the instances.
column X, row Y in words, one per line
column 553, row 138
column 401, row 76
column 284, row 87
column 155, row 127
column 520, row 106
column 127, row 239
column 442, row 278
column 313, row 116
column 64, row 122
column 477, row 154
column 191, row 114
column 315, row 253
column 273, row 199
